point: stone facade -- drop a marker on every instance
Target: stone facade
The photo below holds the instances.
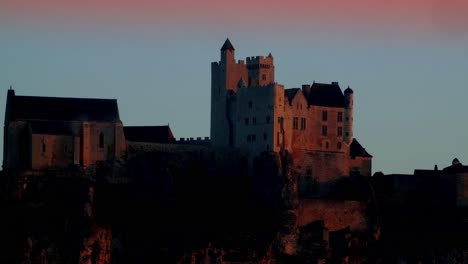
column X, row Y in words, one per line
column 51, row 132
column 336, row 214
column 253, row 113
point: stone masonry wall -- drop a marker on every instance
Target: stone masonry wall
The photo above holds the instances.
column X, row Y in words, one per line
column 52, row 151
column 323, row 166
column 336, row 214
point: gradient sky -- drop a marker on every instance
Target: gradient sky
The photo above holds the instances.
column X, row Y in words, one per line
column 407, row 62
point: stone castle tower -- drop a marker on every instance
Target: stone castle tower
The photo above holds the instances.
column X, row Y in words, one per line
column 237, row 86
column 252, row 113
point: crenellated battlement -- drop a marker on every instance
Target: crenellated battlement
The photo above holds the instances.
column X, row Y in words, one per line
column 260, row 60
column 193, row 140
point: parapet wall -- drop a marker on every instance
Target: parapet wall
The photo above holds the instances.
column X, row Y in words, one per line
column 135, row 147
column 193, row 141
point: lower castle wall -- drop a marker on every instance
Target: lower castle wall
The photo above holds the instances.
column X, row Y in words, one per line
column 135, row 147
column 336, row 214
column 323, row 166
column 363, row 165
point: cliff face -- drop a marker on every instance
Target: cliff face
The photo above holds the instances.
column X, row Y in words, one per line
column 166, row 206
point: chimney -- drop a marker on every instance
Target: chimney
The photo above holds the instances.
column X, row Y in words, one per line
column 306, row 89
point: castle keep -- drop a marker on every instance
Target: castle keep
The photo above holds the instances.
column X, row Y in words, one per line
column 250, row 111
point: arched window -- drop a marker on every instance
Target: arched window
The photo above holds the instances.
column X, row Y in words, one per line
column 101, row 140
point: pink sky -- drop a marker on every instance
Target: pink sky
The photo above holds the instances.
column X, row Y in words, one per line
column 442, row 14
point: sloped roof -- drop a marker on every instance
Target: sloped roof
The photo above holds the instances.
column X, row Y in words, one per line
column 150, row 134
column 324, row 94
column 227, row 45
column 50, row 128
column 356, row 150
column 456, row 168
column 58, row 108
column 348, row 90
column 290, row 93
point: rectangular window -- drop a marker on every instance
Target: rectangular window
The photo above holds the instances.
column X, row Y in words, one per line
column 295, row 123
column 246, row 121
column 264, row 77
column 324, row 130
column 254, row 120
column 340, row 131
column 101, row 140
column 324, row 115
column 340, row 117
column 248, row 138
column 268, row 119
column 303, row 123
column 254, row 138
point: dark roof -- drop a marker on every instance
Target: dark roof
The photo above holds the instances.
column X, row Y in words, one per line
column 51, row 128
column 356, row 150
column 290, row 93
column 57, row 108
column 324, row 94
column 151, row 134
column 348, row 91
column 227, row 45
column 456, row 168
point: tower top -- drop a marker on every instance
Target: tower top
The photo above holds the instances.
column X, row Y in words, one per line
column 227, row 45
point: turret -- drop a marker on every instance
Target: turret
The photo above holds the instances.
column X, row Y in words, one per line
column 241, row 83
column 261, row 70
column 8, row 108
column 227, row 52
column 348, row 124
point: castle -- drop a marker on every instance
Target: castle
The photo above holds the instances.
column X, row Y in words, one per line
column 253, row 113
column 250, row 112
